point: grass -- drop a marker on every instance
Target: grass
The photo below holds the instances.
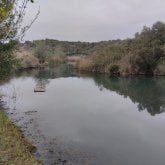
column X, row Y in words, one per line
column 14, row 149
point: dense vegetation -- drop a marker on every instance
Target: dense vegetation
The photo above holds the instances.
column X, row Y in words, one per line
column 143, row 54
column 11, row 16
column 7, row 60
column 14, row 149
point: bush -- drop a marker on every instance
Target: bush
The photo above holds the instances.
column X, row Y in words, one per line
column 40, row 52
column 147, row 59
column 112, row 69
column 160, row 69
column 53, row 62
column 86, row 65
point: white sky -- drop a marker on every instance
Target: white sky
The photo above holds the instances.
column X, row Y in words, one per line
column 92, row 20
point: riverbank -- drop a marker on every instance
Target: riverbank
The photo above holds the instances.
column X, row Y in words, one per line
column 144, row 54
column 14, row 150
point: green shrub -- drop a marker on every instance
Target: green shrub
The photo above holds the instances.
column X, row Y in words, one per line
column 112, row 69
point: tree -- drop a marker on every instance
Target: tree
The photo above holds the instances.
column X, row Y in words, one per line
column 41, row 52
column 148, row 58
column 6, row 58
column 158, row 30
column 12, row 13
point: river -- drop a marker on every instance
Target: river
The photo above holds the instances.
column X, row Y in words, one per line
column 85, row 119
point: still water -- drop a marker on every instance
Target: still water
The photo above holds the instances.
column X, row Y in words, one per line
column 89, row 119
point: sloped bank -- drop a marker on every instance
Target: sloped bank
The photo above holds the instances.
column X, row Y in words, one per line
column 15, row 149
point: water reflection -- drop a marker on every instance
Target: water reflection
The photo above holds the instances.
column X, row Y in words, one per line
column 147, row 92
column 41, row 79
column 84, row 118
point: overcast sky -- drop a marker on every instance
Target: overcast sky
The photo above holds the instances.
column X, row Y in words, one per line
column 92, row 20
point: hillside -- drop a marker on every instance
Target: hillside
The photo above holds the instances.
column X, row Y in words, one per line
column 143, row 54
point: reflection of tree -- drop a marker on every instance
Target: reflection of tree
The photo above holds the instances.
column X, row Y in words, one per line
column 149, row 93
column 60, row 71
column 44, row 75
column 47, row 73
column 41, row 78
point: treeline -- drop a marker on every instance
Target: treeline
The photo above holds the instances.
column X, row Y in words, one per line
column 50, row 52
column 143, row 54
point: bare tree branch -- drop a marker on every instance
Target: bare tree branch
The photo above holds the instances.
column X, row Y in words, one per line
column 12, row 13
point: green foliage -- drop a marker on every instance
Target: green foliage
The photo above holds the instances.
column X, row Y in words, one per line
column 145, row 60
column 139, row 55
column 55, row 62
column 113, row 69
column 6, row 58
column 40, row 52
column 144, row 52
column 158, row 30
column 17, row 64
column 11, row 16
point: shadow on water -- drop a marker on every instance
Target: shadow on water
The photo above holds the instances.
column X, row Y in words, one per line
column 147, row 92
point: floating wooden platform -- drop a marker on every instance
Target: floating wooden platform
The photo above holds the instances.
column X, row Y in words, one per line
column 39, row 89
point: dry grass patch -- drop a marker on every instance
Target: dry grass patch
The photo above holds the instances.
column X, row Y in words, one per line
column 86, row 64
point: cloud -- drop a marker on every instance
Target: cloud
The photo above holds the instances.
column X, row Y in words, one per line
column 92, row 20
